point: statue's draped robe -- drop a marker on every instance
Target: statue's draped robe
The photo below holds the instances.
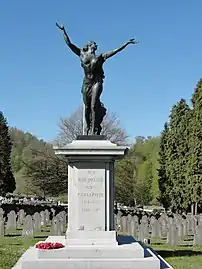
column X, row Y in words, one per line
column 93, row 74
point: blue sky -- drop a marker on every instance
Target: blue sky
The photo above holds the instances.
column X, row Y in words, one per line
column 41, row 79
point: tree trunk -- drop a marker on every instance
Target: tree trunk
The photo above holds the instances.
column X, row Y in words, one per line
column 196, row 208
column 192, row 209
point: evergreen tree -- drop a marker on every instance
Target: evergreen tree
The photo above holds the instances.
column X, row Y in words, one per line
column 177, row 155
column 195, row 157
column 7, row 181
column 124, row 181
column 165, row 184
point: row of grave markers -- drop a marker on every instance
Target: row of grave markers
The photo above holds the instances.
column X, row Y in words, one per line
column 32, row 225
column 175, row 229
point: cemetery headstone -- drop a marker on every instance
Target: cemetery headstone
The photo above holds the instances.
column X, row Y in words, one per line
column 118, row 219
column 55, row 227
column 144, row 219
column 156, row 229
column 189, row 224
column 143, row 231
column 136, row 219
column 64, row 214
column 128, row 226
column 28, row 227
column 171, row 220
column 37, row 222
column 134, row 228
column 200, row 219
column 151, row 221
column 180, row 230
column 43, row 220
column 11, row 221
column 21, row 216
column 194, row 224
column 198, row 235
column 185, row 227
column 124, row 224
column 163, row 224
column 172, row 236
column 47, row 217
column 53, row 212
column 2, row 227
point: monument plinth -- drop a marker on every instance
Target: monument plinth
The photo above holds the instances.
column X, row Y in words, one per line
column 91, row 241
column 91, row 189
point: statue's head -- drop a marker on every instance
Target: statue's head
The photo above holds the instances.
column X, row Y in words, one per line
column 91, row 45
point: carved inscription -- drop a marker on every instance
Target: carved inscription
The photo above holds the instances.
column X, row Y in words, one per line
column 91, row 198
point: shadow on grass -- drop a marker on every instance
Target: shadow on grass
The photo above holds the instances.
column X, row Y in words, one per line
column 178, row 253
column 188, row 239
column 15, row 244
column 158, row 243
column 39, row 237
column 13, row 235
column 186, row 245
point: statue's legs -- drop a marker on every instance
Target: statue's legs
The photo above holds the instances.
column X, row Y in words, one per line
column 95, row 101
column 87, row 104
column 101, row 113
column 88, row 118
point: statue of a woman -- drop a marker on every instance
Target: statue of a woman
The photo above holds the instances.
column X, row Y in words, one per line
column 93, row 79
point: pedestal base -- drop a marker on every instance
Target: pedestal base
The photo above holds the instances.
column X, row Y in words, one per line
column 122, row 256
column 91, row 238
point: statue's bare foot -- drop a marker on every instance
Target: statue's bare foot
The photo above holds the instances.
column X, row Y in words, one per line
column 96, row 131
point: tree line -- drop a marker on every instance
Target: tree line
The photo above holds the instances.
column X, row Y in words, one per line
column 180, row 172
column 164, row 170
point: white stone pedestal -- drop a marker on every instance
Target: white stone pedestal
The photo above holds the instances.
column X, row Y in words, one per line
column 91, row 191
column 91, row 240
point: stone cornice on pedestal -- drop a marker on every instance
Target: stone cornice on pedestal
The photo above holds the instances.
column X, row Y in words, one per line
column 87, row 148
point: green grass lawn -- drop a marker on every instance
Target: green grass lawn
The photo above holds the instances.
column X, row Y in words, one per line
column 180, row 257
column 12, row 246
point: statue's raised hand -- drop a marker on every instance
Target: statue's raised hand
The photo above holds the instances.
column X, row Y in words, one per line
column 133, row 41
column 65, row 35
column 61, row 27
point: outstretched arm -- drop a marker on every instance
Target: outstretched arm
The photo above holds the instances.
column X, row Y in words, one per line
column 109, row 54
column 73, row 48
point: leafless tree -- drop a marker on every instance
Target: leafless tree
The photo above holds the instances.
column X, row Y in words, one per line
column 72, row 126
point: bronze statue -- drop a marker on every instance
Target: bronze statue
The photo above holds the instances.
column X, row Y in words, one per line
column 93, row 79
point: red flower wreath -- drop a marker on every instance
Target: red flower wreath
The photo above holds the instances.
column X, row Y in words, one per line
column 49, row 245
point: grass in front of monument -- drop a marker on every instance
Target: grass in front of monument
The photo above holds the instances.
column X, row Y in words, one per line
column 181, row 256
column 13, row 245
column 184, row 256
